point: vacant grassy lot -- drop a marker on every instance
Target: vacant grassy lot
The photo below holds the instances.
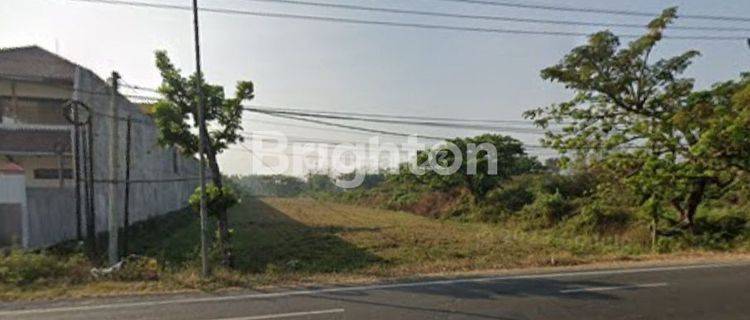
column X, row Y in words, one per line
column 296, row 241
column 307, row 236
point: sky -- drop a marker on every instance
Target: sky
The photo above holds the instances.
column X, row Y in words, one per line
column 355, row 68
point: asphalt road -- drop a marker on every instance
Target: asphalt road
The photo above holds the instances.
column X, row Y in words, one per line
column 714, row 291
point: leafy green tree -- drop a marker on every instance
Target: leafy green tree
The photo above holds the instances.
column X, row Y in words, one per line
column 218, row 200
column 176, row 116
column 510, row 160
column 642, row 120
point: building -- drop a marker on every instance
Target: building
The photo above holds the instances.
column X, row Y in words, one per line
column 37, row 152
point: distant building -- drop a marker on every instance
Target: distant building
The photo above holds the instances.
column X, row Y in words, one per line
column 37, row 152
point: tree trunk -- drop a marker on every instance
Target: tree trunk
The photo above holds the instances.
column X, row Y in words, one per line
column 223, row 241
column 694, row 200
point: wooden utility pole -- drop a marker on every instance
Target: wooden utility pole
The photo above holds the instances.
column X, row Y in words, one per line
column 113, row 220
column 203, row 144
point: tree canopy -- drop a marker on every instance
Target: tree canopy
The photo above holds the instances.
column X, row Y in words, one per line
column 644, row 121
column 176, row 116
column 477, row 164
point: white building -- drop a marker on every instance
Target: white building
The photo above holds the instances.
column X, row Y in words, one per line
column 37, row 146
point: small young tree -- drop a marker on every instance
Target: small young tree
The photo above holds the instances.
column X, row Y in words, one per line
column 644, row 122
column 176, row 116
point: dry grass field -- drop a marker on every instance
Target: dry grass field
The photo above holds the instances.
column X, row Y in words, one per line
column 299, row 241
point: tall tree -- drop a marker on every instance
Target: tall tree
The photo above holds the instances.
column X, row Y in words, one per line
column 176, row 116
column 492, row 166
column 645, row 122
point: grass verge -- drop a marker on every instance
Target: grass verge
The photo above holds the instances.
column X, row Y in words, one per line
column 293, row 241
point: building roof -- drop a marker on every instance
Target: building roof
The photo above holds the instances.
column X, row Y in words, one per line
column 36, row 141
column 12, row 168
column 35, row 63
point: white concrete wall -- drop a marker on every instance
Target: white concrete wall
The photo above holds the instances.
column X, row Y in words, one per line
column 13, row 191
column 148, row 159
column 12, row 188
column 50, row 215
column 53, row 210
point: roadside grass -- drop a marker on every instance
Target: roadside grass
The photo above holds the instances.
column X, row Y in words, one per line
column 299, row 241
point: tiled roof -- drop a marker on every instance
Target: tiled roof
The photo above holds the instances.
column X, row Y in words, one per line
column 12, row 168
column 34, row 141
column 35, row 63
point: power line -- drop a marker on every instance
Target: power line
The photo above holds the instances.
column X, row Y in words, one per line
column 369, row 130
column 144, row 121
column 146, row 181
column 393, row 24
column 594, row 10
column 294, row 139
column 17, row 77
column 391, row 116
column 332, row 124
column 130, row 86
column 43, row 78
column 330, row 144
column 491, row 18
column 277, row 123
column 297, row 139
column 135, row 96
column 408, row 122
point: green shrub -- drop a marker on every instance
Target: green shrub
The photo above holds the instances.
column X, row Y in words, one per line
column 318, row 182
column 20, row 268
column 488, row 213
column 218, row 200
column 569, row 186
column 597, row 217
column 511, row 199
column 719, row 229
column 267, row 185
column 548, row 209
column 714, row 229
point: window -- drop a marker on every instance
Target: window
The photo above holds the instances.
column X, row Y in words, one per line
column 34, row 110
column 52, row 174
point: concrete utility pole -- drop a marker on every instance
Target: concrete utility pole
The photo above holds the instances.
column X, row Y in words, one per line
column 76, row 153
column 114, row 169
column 203, row 143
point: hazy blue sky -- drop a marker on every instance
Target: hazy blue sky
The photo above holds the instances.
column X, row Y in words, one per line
column 355, row 68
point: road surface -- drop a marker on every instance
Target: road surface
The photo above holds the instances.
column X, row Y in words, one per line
column 709, row 291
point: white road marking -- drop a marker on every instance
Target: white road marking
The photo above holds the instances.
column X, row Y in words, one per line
column 625, row 287
column 360, row 288
column 288, row 315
